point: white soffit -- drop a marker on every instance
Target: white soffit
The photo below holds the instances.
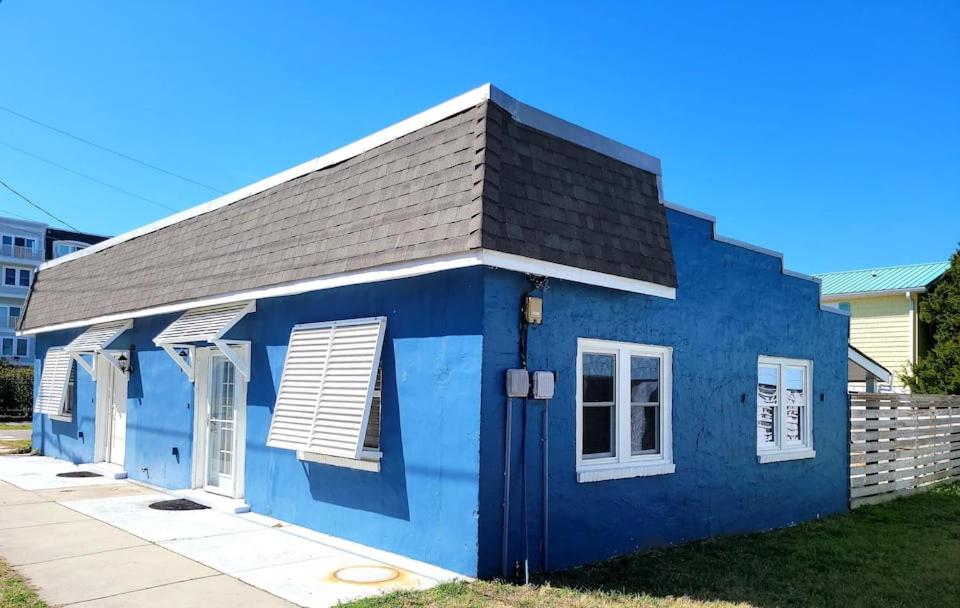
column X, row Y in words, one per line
column 53, row 381
column 205, row 324
column 521, row 112
column 323, row 402
column 99, row 336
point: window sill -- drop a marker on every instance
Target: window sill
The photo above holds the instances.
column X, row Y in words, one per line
column 59, row 418
column 786, row 455
column 624, row 471
column 372, row 465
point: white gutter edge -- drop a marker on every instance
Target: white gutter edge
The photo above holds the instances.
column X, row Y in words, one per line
column 521, row 112
column 836, row 297
column 480, row 257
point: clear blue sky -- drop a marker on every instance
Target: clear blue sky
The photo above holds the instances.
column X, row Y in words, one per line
column 831, row 133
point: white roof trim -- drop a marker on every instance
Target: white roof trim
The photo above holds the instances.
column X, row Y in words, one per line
column 390, row 272
column 743, row 245
column 521, row 112
column 872, row 367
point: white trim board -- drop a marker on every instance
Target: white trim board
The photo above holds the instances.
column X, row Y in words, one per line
column 521, row 112
column 479, row 257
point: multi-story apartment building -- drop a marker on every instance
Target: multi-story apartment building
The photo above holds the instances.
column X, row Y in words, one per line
column 24, row 245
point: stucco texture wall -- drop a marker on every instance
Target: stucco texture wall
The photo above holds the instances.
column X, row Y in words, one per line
column 732, row 306
column 423, row 502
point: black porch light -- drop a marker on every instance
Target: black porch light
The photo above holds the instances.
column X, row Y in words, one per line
column 125, row 365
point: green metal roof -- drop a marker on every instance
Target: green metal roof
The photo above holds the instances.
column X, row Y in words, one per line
column 890, row 278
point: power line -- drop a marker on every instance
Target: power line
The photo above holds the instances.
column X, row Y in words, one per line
column 85, row 176
column 8, row 187
column 106, row 149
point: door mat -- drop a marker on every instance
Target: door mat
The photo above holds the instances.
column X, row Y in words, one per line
column 178, row 504
column 79, row 474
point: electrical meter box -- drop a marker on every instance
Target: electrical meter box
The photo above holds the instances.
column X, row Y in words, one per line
column 543, row 383
column 518, row 383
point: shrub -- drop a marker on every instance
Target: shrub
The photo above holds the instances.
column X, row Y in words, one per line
column 16, row 391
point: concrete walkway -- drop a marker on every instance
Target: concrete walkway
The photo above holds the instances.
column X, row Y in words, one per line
column 93, row 542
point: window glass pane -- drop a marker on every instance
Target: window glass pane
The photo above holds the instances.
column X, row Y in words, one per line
column 7, row 240
column 767, row 402
column 795, row 385
column 644, row 429
column 19, row 241
column 10, row 276
column 644, row 379
column 6, row 346
column 21, row 348
column 598, row 425
column 15, row 311
column 598, row 378
column 25, row 278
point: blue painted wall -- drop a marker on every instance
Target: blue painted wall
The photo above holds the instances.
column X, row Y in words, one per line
column 732, row 305
column 450, row 336
column 423, row 502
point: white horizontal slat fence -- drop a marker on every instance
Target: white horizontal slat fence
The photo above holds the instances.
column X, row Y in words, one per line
column 901, row 444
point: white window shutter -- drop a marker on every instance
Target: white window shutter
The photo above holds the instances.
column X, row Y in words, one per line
column 324, row 400
column 53, row 381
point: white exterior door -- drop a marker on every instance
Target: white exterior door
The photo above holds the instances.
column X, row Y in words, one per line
column 222, row 402
column 111, row 412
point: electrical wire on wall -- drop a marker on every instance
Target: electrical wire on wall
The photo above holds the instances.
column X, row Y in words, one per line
column 537, row 283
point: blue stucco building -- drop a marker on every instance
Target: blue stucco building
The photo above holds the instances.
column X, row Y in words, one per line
column 330, row 347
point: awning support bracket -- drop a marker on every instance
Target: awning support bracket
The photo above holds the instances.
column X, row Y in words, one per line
column 90, row 367
column 241, row 363
column 173, row 350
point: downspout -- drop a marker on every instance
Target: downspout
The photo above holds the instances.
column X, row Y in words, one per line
column 508, row 426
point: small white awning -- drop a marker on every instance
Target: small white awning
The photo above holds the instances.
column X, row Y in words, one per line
column 53, row 381
column 98, row 337
column 861, row 368
column 206, row 325
column 325, row 394
column 94, row 341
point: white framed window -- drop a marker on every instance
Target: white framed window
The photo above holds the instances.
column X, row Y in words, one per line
column 328, row 401
column 70, row 394
column 16, row 277
column 19, row 246
column 61, row 248
column 784, row 409
column 624, row 415
column 10, row 316
column 10, row 347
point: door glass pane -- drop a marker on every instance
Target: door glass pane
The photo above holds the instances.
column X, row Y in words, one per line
column 598, row 425
column 768, row 398
column 222, row 420
column 795, row 398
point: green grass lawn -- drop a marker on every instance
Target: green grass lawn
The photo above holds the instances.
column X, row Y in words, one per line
column 903, row 553
column 15, row 446
column 15, row 426
column 15, row 592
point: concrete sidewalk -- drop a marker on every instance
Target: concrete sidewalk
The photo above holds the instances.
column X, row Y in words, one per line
column 94, row 541
column 75, row 560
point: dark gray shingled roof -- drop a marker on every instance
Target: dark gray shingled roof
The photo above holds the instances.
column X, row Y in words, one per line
column 475, row 179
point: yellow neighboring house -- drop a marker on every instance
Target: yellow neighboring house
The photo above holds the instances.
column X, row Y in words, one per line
column 882, row 303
